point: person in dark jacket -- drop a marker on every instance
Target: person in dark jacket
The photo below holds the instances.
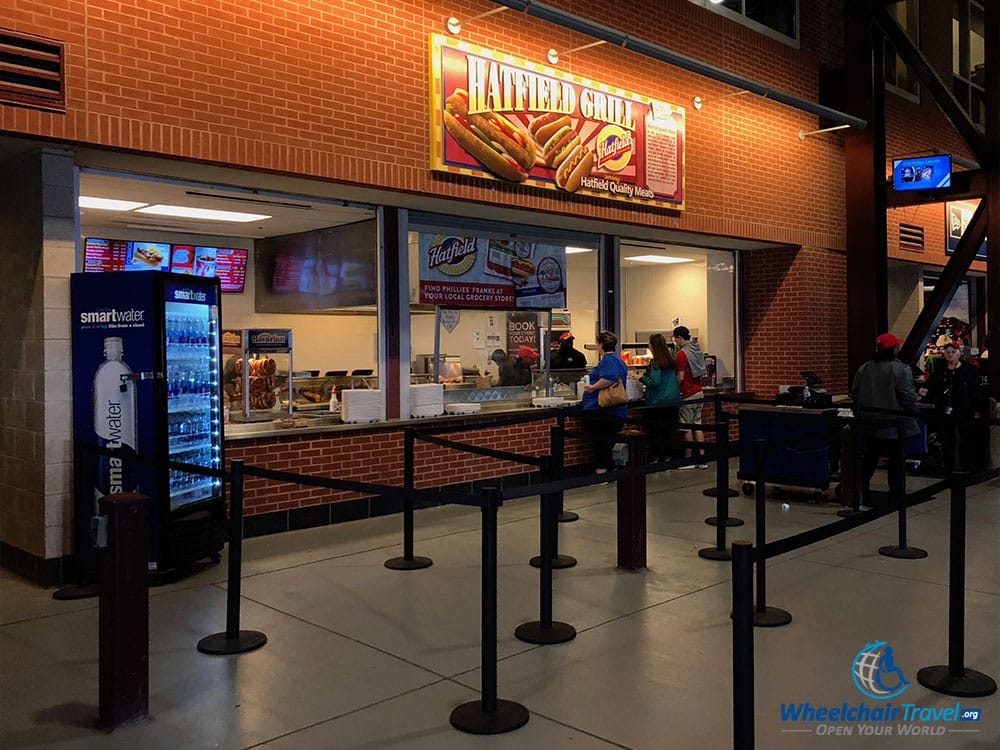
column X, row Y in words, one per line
column 882, row 391
column 567, row 357
column 955, row 390
column 516, row 370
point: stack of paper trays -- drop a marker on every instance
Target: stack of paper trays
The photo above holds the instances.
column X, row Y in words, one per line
column 548, row 401
column 426, row 400
column 464, row 407
column 361, row 405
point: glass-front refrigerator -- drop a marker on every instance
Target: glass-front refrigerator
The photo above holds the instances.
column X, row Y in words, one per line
column 146, row 380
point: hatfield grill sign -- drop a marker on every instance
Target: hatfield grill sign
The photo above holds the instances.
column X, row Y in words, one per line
column 508, row 119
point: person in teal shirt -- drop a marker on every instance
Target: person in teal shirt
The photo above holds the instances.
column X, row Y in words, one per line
column 663, row 397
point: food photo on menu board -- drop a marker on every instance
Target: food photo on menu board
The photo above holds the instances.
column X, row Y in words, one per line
column 145, row 256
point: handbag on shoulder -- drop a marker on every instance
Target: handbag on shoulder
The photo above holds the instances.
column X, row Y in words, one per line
column 613, row 395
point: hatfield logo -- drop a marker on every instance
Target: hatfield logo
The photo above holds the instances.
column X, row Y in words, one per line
column 875, row 674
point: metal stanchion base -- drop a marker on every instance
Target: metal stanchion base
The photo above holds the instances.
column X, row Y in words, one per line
column 848, row 512
column 711, row 492
column 535, row 632
column 413, row 563
column 559, row 561
column 247, row 640
column 567, row 516
column 771, row 617
column 714, row 553
column 470, row 717
column 970, row 684
column 77, row 592
column 903, row 553
column 730, row 521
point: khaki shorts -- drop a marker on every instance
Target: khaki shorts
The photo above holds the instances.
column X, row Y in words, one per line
column 690, row 410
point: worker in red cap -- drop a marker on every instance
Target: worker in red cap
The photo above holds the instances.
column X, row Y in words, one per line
column 517, row 369
column 883, row 393
column 567, row 357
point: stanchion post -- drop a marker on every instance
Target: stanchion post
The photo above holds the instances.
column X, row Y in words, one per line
column 124, row 609
column 557, row 440
column 897, row 495
column 720, row 551
column 851, row 469
column 233, row 640
column 954, row 678
column 551, row 526
column 743, row 698
column 489, row 715
column 545, row 631
column 721, row 490
column 763, row 616
column 408, row 561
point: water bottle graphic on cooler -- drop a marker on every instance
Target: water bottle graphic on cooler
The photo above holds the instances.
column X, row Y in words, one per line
column 114, row 420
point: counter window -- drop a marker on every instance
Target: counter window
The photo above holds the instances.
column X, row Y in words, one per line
column 667, row 286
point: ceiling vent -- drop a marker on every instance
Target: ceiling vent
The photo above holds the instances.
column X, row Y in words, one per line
column 31, row 71
column 911, row 237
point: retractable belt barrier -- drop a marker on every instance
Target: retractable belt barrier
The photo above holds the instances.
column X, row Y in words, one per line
column 953, row 678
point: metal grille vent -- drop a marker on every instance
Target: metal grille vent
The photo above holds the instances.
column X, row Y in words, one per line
column 911, row 238
column 31, row 71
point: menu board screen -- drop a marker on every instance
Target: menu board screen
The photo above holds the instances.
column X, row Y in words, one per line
column 121, row 255
column 229, row 264
column 231, row 268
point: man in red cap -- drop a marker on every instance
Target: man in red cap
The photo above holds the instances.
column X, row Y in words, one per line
column 883, row 392
column 567, row 357
column 517, row 369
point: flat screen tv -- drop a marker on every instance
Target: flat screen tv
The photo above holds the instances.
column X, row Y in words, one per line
column 123, row 255
column 229, row 264
column 922, row 172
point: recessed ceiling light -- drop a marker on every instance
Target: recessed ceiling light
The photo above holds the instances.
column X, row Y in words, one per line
column 572, row 250
column 659, row 259
column 207, row 214
column 108, row 204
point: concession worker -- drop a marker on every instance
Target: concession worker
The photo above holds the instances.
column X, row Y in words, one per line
column 517, row 369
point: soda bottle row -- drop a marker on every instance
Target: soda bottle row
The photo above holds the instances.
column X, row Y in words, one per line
column 189, row 330
column 190, row 389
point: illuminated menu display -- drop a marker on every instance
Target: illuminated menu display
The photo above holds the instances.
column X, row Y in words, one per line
column 121, row 255
column 229, row 264
column 231, row 268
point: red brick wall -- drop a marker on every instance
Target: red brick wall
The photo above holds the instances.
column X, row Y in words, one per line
column 338, row 90
column 795, row 318
column 375, row 455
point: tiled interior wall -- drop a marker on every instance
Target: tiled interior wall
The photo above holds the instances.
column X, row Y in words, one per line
column 37, row 211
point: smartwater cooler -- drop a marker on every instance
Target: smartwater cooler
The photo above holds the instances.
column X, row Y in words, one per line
column 146, row 380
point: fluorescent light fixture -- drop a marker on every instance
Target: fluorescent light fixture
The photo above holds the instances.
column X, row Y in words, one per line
column 207, row 214
column 108, row 204
column 659, row 259
column 574, row 250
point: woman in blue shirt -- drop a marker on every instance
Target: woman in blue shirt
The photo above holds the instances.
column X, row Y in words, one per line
column 609, row 420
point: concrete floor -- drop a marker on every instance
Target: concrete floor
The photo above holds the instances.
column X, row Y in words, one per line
column 359, row 656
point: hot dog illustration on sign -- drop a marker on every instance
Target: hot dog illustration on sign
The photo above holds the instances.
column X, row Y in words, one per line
column 490, row 138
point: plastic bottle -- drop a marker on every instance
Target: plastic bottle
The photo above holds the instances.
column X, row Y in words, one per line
column 225, row 409
column 334, row 404
column 114, row 420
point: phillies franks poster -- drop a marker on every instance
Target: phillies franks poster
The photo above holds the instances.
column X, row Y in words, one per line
column 500, row 274
column 503, row 118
